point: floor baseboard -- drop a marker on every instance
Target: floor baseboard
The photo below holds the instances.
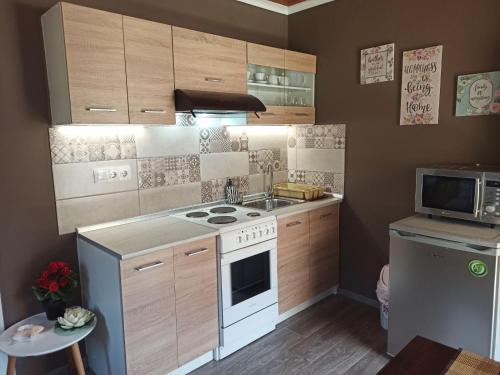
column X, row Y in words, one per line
column 359, row 297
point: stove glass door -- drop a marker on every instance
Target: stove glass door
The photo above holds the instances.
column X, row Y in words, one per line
column 250, row 277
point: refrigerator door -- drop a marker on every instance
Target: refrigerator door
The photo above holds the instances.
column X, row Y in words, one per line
column 437, row 293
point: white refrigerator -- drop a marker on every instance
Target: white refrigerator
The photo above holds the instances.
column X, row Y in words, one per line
column 444, row 284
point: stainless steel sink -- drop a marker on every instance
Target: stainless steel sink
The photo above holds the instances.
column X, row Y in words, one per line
column 269, row 204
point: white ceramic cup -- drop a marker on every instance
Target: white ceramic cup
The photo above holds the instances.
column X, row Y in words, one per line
column 273, row 79
column 260, row 76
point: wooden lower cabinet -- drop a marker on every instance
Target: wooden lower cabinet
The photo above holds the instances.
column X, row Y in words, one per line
column 169, row 302
column 324, row 248
column 293, row 261
column 308, row 255
column 149, row 317
column 195, row 267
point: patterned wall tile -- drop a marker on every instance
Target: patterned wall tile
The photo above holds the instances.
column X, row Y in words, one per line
column 74, row 146
column 333, row 182
column 217, row 140
column 319, row 136
column 260, row 159
column 166, row 171
column 213, row 190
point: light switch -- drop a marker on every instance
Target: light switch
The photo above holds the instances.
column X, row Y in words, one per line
column 112, row 174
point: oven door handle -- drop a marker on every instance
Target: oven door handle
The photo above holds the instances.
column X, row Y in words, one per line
column 247, row 252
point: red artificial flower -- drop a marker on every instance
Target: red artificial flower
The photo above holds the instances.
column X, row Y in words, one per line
column 65, row 271
column 53, row 286
column 53, row 267
column 63, row 282
column 62, row 264
column 44, row 275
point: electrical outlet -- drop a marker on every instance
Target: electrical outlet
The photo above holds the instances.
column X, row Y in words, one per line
column 112, row 174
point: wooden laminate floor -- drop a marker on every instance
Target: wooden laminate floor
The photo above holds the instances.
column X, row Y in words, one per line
column 335, row 336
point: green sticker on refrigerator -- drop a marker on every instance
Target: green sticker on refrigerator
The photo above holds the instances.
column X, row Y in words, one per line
column 478, row 268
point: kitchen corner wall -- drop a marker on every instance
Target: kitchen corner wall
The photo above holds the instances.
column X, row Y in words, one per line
column 381, row 156
column 186, row 164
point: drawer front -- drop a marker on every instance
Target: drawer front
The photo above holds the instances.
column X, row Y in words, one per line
column 96, row 66
column 209, row 62
column 300, row 62
column 274, row 115
column 195, row 267
column 300, row 115
column 293, row 261
column 266, row 56
column 324, row 248
column 150, row 71
column 149, row 313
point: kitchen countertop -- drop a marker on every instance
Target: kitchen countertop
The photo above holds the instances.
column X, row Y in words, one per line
column 129, row 240
column 141, row 235
column 304, row 207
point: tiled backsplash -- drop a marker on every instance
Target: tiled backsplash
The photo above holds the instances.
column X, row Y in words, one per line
column 173, row 166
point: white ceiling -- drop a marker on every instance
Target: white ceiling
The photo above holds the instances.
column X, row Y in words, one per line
column 283, row 9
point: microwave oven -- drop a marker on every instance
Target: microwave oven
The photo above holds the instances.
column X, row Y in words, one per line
column 461, row 192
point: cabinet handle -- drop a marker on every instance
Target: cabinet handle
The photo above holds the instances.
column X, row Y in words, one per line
column 325, row 215
column 268, row 114
column 149, row 266
column 153, row 111
column 294, row 223
column 213, row 79
column 196, row 252
column 92, row 109
column 301, row 114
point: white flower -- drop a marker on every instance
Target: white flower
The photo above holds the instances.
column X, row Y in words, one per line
column 75, row 317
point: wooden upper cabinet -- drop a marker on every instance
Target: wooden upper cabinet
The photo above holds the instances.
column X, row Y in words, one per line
column 324, row 248
column 300, row 62
column 275, row 115
column 293, row 261
column 150, row 71
column 85, row 65
column 209, row 62
column 195, row 266
column 299, row 115
column 266, row 56
column 148, row 298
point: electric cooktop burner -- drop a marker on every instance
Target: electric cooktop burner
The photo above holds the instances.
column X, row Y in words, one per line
column 253, row 214
column 222, row 219
column 222, row 210
column 197, row 214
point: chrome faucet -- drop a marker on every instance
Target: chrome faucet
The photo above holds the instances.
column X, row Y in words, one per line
column 270, row 189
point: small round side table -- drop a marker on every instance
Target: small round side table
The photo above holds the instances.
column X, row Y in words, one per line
column 48, row 341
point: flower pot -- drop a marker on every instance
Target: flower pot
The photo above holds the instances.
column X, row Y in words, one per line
column 54, row 309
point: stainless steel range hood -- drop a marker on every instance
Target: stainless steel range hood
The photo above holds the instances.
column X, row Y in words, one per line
column 216, row 103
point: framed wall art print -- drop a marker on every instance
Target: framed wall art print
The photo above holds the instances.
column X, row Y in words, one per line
column 420, row 86
column 377, row 64
column 478, row 94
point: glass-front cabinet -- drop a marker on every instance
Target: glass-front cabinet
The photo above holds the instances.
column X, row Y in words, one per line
column 284, row 81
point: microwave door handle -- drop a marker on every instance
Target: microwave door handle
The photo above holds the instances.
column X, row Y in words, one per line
column 479, row 197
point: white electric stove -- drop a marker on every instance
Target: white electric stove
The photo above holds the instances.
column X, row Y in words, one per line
column 247, row 271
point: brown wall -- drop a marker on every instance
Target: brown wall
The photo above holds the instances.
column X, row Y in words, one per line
column 28, row 236
column 380, row 155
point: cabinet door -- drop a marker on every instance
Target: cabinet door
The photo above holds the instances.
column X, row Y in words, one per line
column 274, row 115
column 324, row 248
column 95, row 65
column 149, row 313
column 209, row 62
column 300, row 115
column 150, row 71
column 196, row 298
column 300, row 62
column 266, row 56
column 293, row 261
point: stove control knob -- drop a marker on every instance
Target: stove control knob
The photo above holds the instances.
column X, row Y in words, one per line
column 260, row 233
column 247, row 237
column 239, row 239
column 267, row 231
column 490, row 209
